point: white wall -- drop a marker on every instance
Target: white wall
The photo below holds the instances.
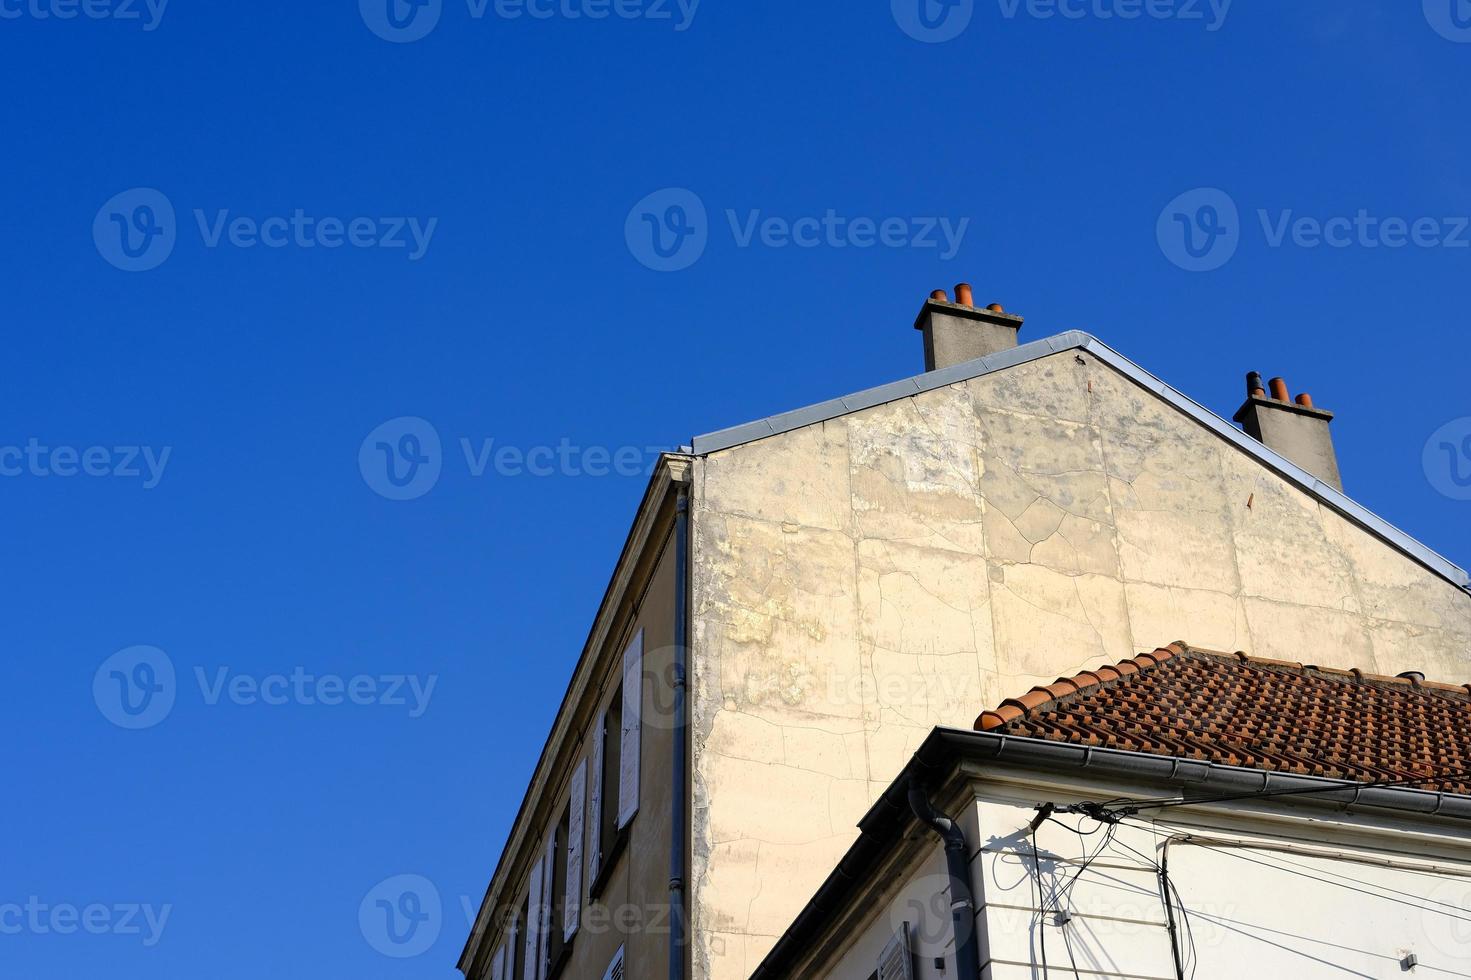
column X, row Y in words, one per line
column 1314, row 900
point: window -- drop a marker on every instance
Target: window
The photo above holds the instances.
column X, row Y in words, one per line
column 518, row 944
column 612, row 759
column 556, row 943
column 615, row 769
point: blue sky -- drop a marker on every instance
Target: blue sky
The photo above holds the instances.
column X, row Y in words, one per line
column 184, row 470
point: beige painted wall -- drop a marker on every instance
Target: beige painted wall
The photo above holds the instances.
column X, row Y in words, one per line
column 859, row 581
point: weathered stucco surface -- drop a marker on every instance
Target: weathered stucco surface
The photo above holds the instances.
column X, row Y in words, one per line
column 861, row 580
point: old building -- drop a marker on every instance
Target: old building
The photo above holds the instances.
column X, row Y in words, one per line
column 1181, row 814
column 804, row 599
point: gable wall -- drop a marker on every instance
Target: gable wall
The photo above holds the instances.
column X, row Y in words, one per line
column 861, row 580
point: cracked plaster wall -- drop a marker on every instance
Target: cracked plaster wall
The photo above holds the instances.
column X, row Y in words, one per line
column 859, row 581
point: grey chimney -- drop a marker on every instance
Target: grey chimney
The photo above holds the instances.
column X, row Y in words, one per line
column 1297, row 429
column 958, row 332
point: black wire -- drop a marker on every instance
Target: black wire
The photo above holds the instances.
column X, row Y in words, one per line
column 1345, row 882
column 1041, row 923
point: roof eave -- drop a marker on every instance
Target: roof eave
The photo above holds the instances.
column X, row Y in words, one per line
column 945, row 748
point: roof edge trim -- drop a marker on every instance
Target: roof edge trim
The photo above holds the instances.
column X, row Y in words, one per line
column 1079, row 340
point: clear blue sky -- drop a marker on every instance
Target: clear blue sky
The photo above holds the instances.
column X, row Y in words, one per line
column 528, row 319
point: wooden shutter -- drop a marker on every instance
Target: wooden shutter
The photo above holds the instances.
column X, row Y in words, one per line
column 615, row 968
column 572, row 912
column 595, row 807
column 897, row 960
column 548, row 891
column 498, row 962
column 633, row 705
column 529, row 970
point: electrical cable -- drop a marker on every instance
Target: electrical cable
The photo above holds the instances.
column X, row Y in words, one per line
column 1041, row 924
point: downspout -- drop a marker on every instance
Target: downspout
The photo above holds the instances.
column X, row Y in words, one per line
column 677, row 831
column 957, row 862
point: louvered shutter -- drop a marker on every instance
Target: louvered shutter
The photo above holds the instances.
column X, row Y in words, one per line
column 633, row 706
column 529, row 969
column 498, row 963
column 615, row 968
column 595, row 808
column 897, row 960
column 572, row 912
column 548, row 892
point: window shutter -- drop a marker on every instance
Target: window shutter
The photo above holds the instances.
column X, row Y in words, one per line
column 572, row 914
column 633, row 704
column 533, row 926
column 897, row 960
column 615, row 968
column 595, row 808
column 548, row 890
column 498, row 961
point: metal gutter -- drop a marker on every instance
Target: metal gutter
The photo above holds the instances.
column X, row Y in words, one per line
column 1078, row 340
column 886, row 822
column 677, row 833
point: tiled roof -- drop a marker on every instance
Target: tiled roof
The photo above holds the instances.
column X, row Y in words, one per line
column 1264, row 714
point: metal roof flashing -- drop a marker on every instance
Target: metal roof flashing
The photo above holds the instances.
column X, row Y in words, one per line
column 1078, row 340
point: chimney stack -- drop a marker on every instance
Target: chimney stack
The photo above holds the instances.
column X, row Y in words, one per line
column 958, row 332
column 1297, row 430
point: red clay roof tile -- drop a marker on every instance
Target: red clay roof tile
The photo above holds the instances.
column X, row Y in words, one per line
column 1266, row 714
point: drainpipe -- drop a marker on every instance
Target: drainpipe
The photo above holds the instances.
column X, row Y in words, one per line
column 957, row 862
column 677, row 831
